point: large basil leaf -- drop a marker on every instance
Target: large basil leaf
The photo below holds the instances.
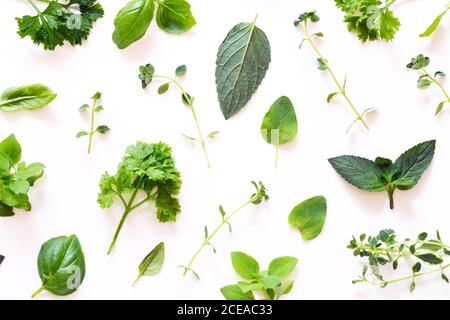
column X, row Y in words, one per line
column 410, row 166
column 152, row 263
column 309, row 217
column 362, row 173
column 242, row 61
column 132, row 22
column 280, row 122
column 61, row 265
column 244, row 265
column 29, row 97
column 10, row 148
column 174, row 16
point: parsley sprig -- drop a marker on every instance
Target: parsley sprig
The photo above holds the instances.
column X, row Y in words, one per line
column 59, row 22
column 426, row 79
column 147, row 74
column 323, row 65
column 384, row 249
column 256, row 198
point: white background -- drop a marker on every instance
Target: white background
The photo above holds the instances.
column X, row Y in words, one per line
column 64, row 200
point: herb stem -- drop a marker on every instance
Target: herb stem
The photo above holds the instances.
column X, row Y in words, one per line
column 435, row 81
column 35, row 7
column 339, row 86
column 277, row 147
column 208, row 239
column 38, row 291
column 91, row 131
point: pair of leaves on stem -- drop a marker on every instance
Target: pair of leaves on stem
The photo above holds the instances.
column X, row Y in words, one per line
column 426, row 79
column 71, row 22
column 152, row 263
column 309, row 217
column 280, row 124
column 102, row 129
column 383, row 174
column 27, row 97
column 242, row 61
column 133, row 20
column 271, row 282
column 61, row 265
column 16, row 177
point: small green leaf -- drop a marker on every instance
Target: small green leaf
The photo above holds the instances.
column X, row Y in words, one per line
column 212, row 135
column 331, row 96
column 81, row 134
column 28, row 97
column 309, row 217
column 84, row 107
column 99, row 109
column 419, row 62
column 444, row 277
column 234, row 292
column 102, row 129
column 322, row 64
column 423, row 83
column 440, row 107
column 152, row 263
column 163, row 88
column 433, row 25
column 412, row 287
column 11, row 148
column 222, row 211
column 430, row 258
column 244, row 265
column 416, row 268
column 181, row 70
column 97, row 96
column 282, row 267
column 422, row 236
column 439, row 74
column 19, row 186
column 174, row 16
column 187, row 99
column 206, row 232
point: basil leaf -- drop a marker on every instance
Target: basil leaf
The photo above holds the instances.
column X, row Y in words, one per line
column 270, row 282
column 61, row 265
column 174, row 16
column 244, row 265
column 28, row 97
column 31, row 173
column 10, row 148
column 282, row 266
column 242, row 61
column 410, row 166
column 361, row 173
column 246, row 286
column 433, row 25
column 6, row 211
column 132, row 22
column 309, row 217
column 152, row 263
column 233, row 292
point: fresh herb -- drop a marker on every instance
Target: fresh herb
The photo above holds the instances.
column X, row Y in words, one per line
column 426, row 79
column 148, row 169
column 309, row 217
column 385, row 250
column 95, row 109
column 271, row 282
column 257, row 198
column 152, row 263
column 280, row 125
column 28, row 97
column 70, row 21
column 242, row 62
column 61, row 265
column 323, row 65
column 370, row 19
column 147, row 74
column 435, row 23
column 384, row 175
column 133, row 20
column 16, row 177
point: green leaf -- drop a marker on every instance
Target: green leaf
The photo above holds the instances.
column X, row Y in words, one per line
column 430, row 258
column 440, row 107
column 10, row 148
column 30, row 173
column 433, row 25
column 419, row 62
column 174, row 16
column 280, row 125
column 6, row 211
column 416, row 267
column 309, row 217
column 246, row 286
column 282, row 266
column 242, row 62
column 181, row 70
column 82, row 134
column 84, row 107
column 361, row 173
column 271, row 282
column 331, row 96
column 410, row 166
column 61, row 265
column 152, row 263
column 28, row 97
column 132, row 22
column 424, row 82
column 233, row 292
column 102, row 129
column 99, row 109
column 146, row 74
column 244, row 265
column 322, row 64
column 163, row 88
column 19, row 186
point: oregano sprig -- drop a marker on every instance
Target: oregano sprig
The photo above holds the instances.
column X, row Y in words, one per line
column 102, row 129
column 385, row 250
column 426, row 79
column 256, row 198
column 323, row 65
column 147, row 74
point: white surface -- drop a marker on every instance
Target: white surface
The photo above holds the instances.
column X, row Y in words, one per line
column 64, row 201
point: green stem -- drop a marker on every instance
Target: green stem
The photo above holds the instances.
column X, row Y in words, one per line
column 277, row 147
column 208, row 239
column 390, row 192
column 34, row 6
column 38, row 291
column 340, row 88
column 91, row 131
column 435, row 81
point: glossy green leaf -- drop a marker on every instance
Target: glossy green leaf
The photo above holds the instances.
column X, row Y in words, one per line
column 309, row 217
column 10, row 148
column 233, row 292
column 28, row 97
column 282, row 266
column 433, row 25
column 242, row 62
column 244, row 265
column 174, row 16
column 152, row 263
column 132, row 22
column 280, row 124
column 61, row 265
